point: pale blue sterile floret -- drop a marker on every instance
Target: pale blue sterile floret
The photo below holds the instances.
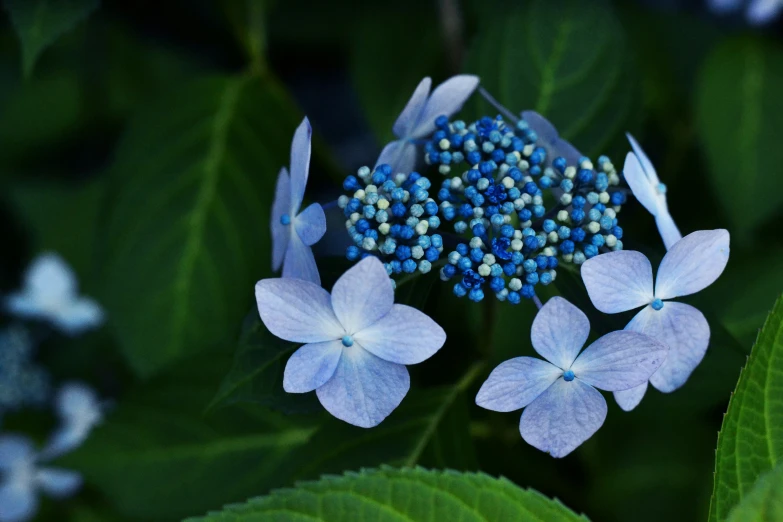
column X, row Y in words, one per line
column 50, row 293
column 80, row 410
column 417, row 120
column 22, row 382
column 294, row 232
column 357, row 340
column 757, row 12
column 562, row 406
column 622, row 281
column 650, row 192
column 22, row 478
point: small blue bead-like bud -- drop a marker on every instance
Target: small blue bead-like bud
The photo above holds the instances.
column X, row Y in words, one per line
column 460, row 290
column 409, row 266
column 578, row 235
column 347, row 341
column 513, row 297
column 285, row 219
column 449, row 271
column 567, row 246
column 529, row 265
column 568, row 376
column 657, row 304
column 462, row 249
column 476, row 295
column 528, row 291
column 563, row 232
column 352, row 253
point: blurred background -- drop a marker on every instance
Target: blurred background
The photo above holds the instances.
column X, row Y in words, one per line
column 141, row 140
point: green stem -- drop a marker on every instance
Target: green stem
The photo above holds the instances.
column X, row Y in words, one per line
column 255, row 38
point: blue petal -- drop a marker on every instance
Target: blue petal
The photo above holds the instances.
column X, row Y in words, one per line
column 280, row 207
column 643, row 190
column 299, row 261
column 17, row 502
column 618, row 281
column 563, row 417
column 550, row 139
column 50, row 277
column 559, row 331
column 761, row 12
column 516, row 383
column 15, row 449
column 311, row 224
column 630, row 399
column 404, row 336
column 646, row 164
column 311, row 366
column 365, row 389
column 692, row 264
column 406, row 121
column 446, row 100
column 362, row 295
column 80, row 411
column 297, row 311
column 300, row 164
column 79, row 315
column 400, row 155
column 58, row 482
column 667, row 228
column 620, row 360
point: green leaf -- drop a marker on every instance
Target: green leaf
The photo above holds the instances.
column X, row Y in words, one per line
column 400, row 495
column 564, row 59
column 765, row 500
column 187, row 237
column 739, row 112
column 750, row 442
column 40, row 22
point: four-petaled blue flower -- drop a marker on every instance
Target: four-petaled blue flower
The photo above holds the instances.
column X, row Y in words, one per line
column 651, row 193
column 621, row 281
column 80, row 411
column 50, row 293
column 562, row 406
column 293, row 232
column 417, row 120
column 358, row 340
column 22, row 478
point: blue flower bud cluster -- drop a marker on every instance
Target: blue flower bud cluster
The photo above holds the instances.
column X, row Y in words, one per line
column 522, row 213
column 22, row 383
column 393, row 217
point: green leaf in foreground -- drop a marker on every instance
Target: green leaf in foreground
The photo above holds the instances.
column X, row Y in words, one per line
column 395, row 495
column 765, row 500
column 750, row 442
column 186, row 238
column 739, row 111
column 40, row 22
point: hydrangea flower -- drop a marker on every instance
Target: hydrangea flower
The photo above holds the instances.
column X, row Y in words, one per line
column 758, row 12
column 417, row 120
column 294, row 232
column 80, row 411
column 622, row 281
column 562, row 406
column 22, row 383
column 358, row 340
column 23, row 477
column 50, row 293
column 651, row 193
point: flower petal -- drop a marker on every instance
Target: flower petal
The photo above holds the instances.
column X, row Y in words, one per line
column 620, row 360
column 406, row 121
column 280, row 207
column 58, row 482
column 687, row 334
column 692, row 264
column 80, row 411
column 362, row 295
column 667, row 228
column 15, row 449
column 300, row 262
column 399, row 155
column 17, row 502
column 311, row 224
column 365, row 389
column 296, row 310
column 630, row 399
column 646, row 164
column 80, row 315
column 51, row 277
column 550, row 139
column 311, row 366
column 618, row 281
column 403, row 336
column 446, row 100
column 761, row 12
column 563, row 417
column 559, row 331
column 515, row 383
column 300, row 164
column 643, row 190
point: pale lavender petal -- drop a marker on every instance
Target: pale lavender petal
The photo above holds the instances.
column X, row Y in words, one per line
column 300, row 262
column 296, row 310
column 646, row 164
column 403, row 336
column 642, row 189
column 692, row 264
column 280, row 206
column 563, row 417
column 406, row 121
column 79, row 315
column 684, row 330
column 311, row 224
column 630, row 399
column 446, row 100
column 18, row 502
column 362, row 295
column 300, row 164
column 550, row 139
column 365, row 389
column 559, row 331
column 618, row 281
column 15, row 449
column 516, row 383
column 667, row 228
column 399, row 155
column 80, row 411
column 761, row 12
column 50, row 278
column 620, row 360
column 311, row 366
column 66, row 438
column 58, row 483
